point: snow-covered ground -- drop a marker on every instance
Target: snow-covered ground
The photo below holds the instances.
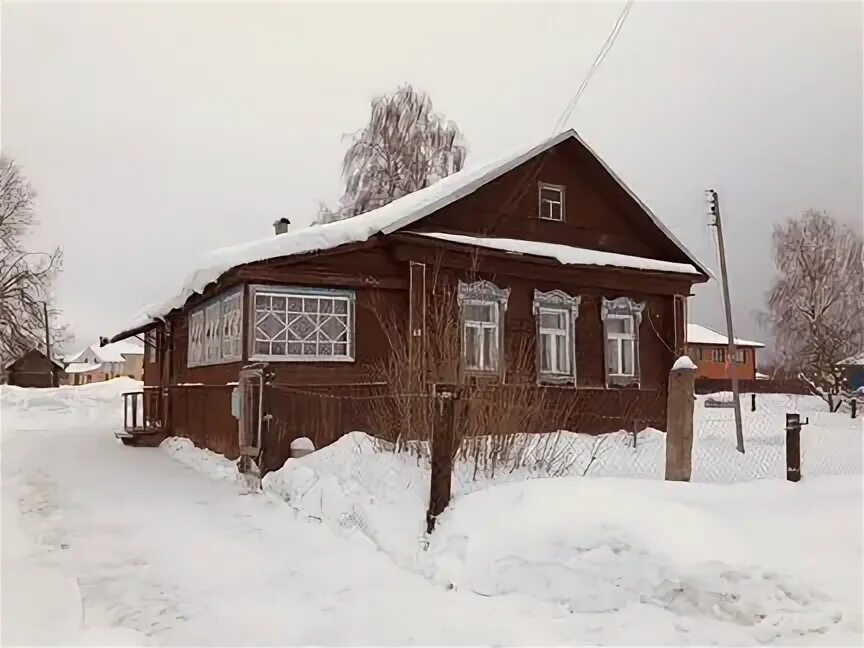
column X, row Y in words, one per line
column 105, row 544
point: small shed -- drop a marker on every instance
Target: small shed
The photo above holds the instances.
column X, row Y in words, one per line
column 35, row 369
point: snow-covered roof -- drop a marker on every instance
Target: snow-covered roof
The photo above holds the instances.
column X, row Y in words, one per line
column 113, row 352
column 82, row 367
column 384, row 220
column 697, row 334
column 855, row 360
column 54, row 361
column 566, row 254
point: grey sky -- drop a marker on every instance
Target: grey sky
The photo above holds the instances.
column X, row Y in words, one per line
column 154, row 132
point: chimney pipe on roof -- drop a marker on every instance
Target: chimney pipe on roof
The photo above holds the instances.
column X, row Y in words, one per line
column 281, row 225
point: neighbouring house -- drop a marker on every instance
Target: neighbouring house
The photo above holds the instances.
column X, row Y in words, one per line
column 96, row 363
column 853, row 366
column 34, row 369
column 545, row 254
column 710, row 351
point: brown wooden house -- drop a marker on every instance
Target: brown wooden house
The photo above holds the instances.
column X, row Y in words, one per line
column 34, row 369
column 546, row 250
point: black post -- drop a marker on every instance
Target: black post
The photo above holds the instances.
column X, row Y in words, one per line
column 752, row 402
column 793, row 447
column 441, row 453
column 854, row 407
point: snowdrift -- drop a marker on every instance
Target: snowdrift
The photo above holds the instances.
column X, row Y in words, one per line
column 27, row 408
column 609, row 546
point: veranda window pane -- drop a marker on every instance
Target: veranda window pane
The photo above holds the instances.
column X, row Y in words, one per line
column 627, row 358
column 553, row 320
column 612, row 356
column 262, row 348
column 616, row 325
column 563, row 355
column 478, row 313
column 546, row 352
column 472, row 347
column 490, row 348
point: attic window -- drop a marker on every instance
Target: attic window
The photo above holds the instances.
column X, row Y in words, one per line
column 551, row 202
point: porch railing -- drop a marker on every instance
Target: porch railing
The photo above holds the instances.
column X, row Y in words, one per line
column 142, row 410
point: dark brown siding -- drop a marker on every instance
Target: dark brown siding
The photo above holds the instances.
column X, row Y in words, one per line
column 33, row 369
column 599, row 215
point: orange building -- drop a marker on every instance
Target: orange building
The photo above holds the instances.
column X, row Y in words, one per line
column 709, row 350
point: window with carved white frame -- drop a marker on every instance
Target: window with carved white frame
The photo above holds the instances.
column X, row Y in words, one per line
column 302, row 324
column 482, row 307
column 555, row 313
column 195, row 353
column 216, row 331
column 621, row 320
column 212, row 339
column 232, row 327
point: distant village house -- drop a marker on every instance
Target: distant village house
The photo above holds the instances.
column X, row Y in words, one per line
column 34, row 369
column 710, row 351
column 96, row 364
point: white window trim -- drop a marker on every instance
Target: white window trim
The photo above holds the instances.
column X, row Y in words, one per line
column 557, row 301
column 199, row 313
column 622, row 308
column 483, row 293
column 302, row 291
column 236, row 296
column 561, row 189
column 195, row 343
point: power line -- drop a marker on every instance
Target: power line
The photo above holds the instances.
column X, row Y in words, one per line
column 607, row 46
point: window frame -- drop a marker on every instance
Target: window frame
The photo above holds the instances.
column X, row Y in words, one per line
column 560, row 303
column 742, row 353
column 349, row 296
column 482, row 293
column 205, row 352
column 561, row 189
column 718, row 355
column 622, row 308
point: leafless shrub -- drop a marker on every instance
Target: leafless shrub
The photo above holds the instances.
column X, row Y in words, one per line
column 494, row 415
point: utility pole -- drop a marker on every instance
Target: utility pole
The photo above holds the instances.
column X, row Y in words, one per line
column 48, row 344
column 714, row 207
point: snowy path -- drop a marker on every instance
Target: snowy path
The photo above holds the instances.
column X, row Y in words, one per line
column 109, row 545
column 159, row 549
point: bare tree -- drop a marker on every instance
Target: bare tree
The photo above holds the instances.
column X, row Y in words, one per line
column 816, row 303
column 25, row 277
column 404, row 147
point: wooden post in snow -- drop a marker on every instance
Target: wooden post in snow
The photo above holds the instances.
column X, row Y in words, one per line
column 441, row 452
column 679, row 420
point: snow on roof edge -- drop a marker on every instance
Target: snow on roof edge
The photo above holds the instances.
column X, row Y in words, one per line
column 564, row 254
column 698, row 334
column 384, row 220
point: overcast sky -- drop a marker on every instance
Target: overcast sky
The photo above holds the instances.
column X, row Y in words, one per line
column 154, row 132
